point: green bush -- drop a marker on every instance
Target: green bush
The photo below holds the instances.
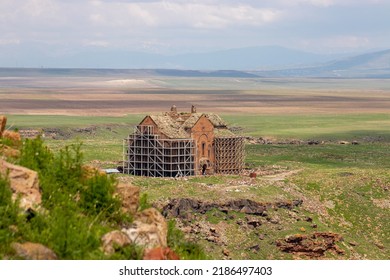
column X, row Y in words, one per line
column 98, row 195
column 79, row 208
column 129, row 252
column 143, row 202
column 35, row 155
column 8, row 215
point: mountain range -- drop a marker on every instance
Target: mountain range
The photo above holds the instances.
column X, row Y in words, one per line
column 368, row 65
column 266, row 61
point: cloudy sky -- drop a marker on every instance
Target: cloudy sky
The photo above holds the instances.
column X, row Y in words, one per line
column 179, row 26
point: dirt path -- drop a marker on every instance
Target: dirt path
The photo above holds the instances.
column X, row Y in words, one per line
column 281, row 176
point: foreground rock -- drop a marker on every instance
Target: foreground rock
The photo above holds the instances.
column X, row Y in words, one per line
column 13, row 137
column 9, row 152
column 313, row 246
column 149, row 229
column 3, row 122
column 129, row 196
column 160, row 254
column 24, row 183
column 113, row 240
column 33, row 251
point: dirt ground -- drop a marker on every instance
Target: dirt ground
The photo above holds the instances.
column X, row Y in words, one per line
column 110, row 96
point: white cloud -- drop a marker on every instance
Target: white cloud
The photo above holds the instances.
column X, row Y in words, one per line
column 319, row 3
column 4, row 42
column 180, row 14
column 189, row 24
column 96, row 43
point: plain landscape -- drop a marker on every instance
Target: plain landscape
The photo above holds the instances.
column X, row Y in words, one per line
column 320, row 148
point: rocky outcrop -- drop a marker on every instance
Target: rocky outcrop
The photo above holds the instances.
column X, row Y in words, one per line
column 113, row 240
column 3, row 122
column 313, row 246
column 149, row 229
column 24, row 184
column 33, row 251
column 13, row 137
column 160, row 254
column 184, row 207
column 9, row 152
column 129, row 196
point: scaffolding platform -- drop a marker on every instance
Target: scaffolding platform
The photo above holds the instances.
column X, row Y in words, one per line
column 229, row 155
column 146, row 154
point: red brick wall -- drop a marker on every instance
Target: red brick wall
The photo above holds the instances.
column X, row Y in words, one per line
column 203, row 134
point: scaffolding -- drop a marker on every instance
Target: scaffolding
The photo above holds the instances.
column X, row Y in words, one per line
column 146, row 154
column 229, row 155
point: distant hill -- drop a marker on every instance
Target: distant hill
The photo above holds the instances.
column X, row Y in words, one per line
column 251, row 58
column 74, row 72
column 248, row 58
column 197, row 73
column 283, row 62
column 369, row 65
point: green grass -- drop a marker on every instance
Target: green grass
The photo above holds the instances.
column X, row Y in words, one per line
column 78, row 207
column 108, row 133
column 342, row 186
column 55, row 121
column 323, row 127
column 364, row 156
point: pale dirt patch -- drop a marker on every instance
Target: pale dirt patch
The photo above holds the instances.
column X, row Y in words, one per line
column 119, row 96
column 132, row 83
column 382, row 203
column 281, row 176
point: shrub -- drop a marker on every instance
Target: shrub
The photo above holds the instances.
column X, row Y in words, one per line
column 80, row 208
column 35, row 155
column 8, row 214
column 98, row 195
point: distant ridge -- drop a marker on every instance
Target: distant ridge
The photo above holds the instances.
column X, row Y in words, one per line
column 240, row 59
column 32, row 72
column 196, row 73
column 368, row 65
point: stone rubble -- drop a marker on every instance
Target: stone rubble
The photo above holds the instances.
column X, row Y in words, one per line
column 24, row 184
column 129, row 196
column 313, row 246
column 33, row 251
column 3, row 122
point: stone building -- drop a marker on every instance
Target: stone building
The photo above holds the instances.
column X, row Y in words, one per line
column 175, row 144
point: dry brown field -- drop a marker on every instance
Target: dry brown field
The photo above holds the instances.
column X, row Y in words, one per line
column 117, row 95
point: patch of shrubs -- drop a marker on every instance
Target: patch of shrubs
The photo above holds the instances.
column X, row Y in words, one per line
column 78, row 207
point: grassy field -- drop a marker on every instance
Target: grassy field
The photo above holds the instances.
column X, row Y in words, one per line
column 317, row 126
column 108, row 132
column 344, row 188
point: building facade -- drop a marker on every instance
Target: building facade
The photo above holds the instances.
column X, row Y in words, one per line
column 183, row 144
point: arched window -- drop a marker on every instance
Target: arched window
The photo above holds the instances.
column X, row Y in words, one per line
column 203, row 149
